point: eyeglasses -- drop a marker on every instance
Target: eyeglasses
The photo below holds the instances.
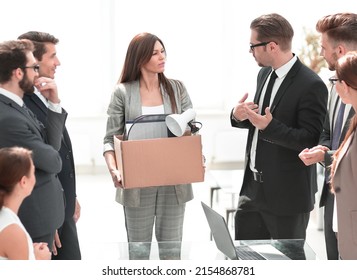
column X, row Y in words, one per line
column 258, row 45
column 333, row 80
column 36, row 67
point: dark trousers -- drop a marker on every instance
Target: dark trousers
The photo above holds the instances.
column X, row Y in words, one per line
column 330, row 235
column 70, row 249
column 253, row 220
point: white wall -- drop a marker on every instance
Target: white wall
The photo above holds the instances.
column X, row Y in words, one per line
column 207, row 43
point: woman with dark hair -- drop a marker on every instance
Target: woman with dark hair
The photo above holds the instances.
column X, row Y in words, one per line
column 143, row 89
column 343, row 171
column 17, row 180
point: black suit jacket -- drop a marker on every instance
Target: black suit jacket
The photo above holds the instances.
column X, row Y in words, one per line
column 43, row 211
column 67, row 174
column 298, row 110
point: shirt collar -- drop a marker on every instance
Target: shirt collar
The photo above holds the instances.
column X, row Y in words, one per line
column 43, row 99
column 12, row 96
column 284, row 70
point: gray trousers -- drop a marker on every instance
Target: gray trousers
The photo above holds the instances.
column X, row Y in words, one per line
column 158, row 207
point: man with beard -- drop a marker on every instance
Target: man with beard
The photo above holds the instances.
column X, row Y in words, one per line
column 67, row 246
column 42, row 213
column 338, row 36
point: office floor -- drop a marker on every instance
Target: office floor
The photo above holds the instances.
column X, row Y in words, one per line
column 102, row 224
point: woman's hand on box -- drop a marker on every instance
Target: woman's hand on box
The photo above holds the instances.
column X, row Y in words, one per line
column 116, row 177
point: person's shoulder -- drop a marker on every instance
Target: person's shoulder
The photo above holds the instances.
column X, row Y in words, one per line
column 302, row 71
column 310, row 75
column 27, row 95
column 14, row 242
column 177, row 85
column 266, row 69
column 263, row 72
column 175, row 82
column 125, row 88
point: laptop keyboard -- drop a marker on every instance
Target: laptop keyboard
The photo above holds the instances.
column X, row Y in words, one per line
column 247, row 253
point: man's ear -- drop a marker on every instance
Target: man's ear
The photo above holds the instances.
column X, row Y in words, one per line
column 18, row 73
column 341, row 50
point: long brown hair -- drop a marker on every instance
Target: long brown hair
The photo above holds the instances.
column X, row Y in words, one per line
column 346, row 70
column 138, row 54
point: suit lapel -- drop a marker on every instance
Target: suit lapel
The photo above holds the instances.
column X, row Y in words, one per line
column 285, row 84
column 22, row 111
column 261, row 85
column 39, row 103
column 41, row 106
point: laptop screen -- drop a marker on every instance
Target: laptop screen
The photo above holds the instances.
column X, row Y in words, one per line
column 220, row 232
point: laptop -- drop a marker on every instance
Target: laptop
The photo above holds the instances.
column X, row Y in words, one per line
column 224, row 242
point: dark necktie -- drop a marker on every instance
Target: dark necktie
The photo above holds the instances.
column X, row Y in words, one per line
column 33, row 116
column 266, row 102
column 336, row 135
column 268, row 91
column 338, row 127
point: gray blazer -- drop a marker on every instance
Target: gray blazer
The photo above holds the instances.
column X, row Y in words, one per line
column 345, row 183
column 125, row 105
column 43, row 211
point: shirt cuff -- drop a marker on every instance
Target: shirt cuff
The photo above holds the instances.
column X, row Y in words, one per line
column 56, row 107
column 108, row 147
column 234, row 118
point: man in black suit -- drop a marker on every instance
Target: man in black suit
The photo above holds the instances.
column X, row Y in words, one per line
column 42, row 213
column 46, row 55
column 338, row 36
column 277, row 195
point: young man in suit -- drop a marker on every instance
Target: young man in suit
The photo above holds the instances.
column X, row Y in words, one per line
column 45, row 52
column 338, row 36
column 42, row 213
column 276, row 195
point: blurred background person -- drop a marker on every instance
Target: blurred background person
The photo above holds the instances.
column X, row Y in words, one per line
column 17, row 180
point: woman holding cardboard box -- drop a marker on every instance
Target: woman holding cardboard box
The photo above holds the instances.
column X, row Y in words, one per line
column 143, row 89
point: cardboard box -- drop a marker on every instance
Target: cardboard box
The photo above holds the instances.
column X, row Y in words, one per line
column 159, row 162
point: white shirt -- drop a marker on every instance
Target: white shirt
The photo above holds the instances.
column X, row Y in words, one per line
column 151, row 110
column 52, row 106
column 281, row 73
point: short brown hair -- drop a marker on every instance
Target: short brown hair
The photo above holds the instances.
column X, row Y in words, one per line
column 274, row 28
column 39, row 39
column 340, row 27
column 13, row 55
